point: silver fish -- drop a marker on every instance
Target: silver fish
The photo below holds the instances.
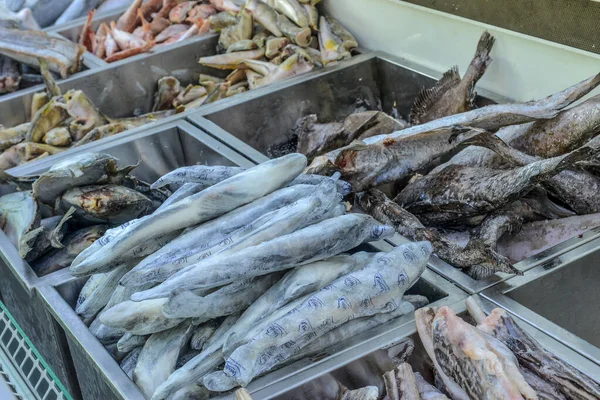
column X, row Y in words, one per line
column 14, row 135
column 129, row 342
column 211, row 203
column 139, row 318
column 105, row 334
column 318, row 242
column 21, row 215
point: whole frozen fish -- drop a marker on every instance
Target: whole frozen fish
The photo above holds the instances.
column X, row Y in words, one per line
column 482, row 365
column 159, row 356
column 451, row 95
column 348, row 41
column 222, row 20
column 211, row 203
column 226, row 5
column 75, row 243
column 189, row 94
column 86, row 115
column 170, row 32
column 139, row 318
column 231, row 60
column 129, row 362
column 331, row 46
column 368, row 291
column 78, row 8
column 78, row 170
column 124, row 39
column 168, row 89
column 313, row 243
column 62, row 56
column 128, row 20
column 293, row 66
column 264, row 15
column 14, row 135
column 49, row 116
column 113, row 204
column 24, row 152
column 129, row 342
column 458, row 192
column 96, row 293
column 213, row 232
column 59, row 136
column 227, row 300
column 292, row 10
column 202, row 333
column 21, row 214
column 298, row 35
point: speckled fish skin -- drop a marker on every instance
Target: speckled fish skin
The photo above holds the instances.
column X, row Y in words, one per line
column 483, row 366
column 367, row 165
column 129, row 342
column 129, row 362
column 459, row 192
column 75, row 243
column 202, row 333
column 113, row 204
column 377, row 204
column 296, row 283
column 276, row 223
column 551, row 369
column 313, row 243
column 368, row 291
column 211, row 203
column 428, row 391
column 159, row 356
column 139, row 318
column 96, row 293
column 21, row 215
column 213, row 232
column 62, row 56
column 78, row 170
column 264, row 15
column 195, row 369
column 229, row 299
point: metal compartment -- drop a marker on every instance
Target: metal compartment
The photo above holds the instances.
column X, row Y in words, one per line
column 560, row 297
column 375, row 81
column 164, row 147
column 104, row 378
column 367, row 369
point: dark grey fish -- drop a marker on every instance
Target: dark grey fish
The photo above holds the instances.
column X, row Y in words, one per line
column 457, row 192
column 551, row 369
column 38, row 240
column 75, row 243
column 451, row 95
column 112, row 204
column 378, row 205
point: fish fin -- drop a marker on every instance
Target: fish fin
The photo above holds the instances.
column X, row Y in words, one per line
column 479, row 64
column 428, row 96
column 57, row 233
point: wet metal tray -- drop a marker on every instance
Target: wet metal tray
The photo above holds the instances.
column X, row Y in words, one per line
column 560, row 297
column 374, row 81
column 104, row 378
column 367, row 369
column 161, row 149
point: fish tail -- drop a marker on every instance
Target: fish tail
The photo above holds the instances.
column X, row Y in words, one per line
column 479, row 64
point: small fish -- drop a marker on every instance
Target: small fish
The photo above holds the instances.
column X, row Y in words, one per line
column 168, row 90
column 24, row 152
column 105, row 203
column 120, row 55
column 201, row 13
column 86, row 115
column 451, row 95
column 264, row 15
column 62, row 56
column 87, row 37
column 242, row 45
column 110, row 45
column 189, row 94
column 103, row 131
column 221, row 21
column 291, row 67
column 128, row 20
column 332, row 47
column 427, row 391
column 313, row 55
column 14, row 135
column 348, row 41
column 129, row 342
column 10, row 78
column 292, row 10
column 21, row 214
column 124, row 39
column 299, row 36
column 139, row 318
column 48, row 117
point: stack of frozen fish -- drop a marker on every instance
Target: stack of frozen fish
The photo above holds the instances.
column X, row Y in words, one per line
column 246, row 267
column 63, row 211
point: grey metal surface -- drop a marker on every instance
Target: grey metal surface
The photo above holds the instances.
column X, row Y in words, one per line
column 367, row 369
column 560, row 297
column 374, row 81
column 107, row 378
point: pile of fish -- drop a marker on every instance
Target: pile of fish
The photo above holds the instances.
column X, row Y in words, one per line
column 272, row 40
column 541, row 166
column 61, row 121
column 496, row 359
column 22, row 51
column 61, row 212
column 246, row 267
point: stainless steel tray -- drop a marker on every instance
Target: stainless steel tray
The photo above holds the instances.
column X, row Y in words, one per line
column 560, row 297
column 104, row 378
column 162, row 148
column 367, row 369
column 375, row 81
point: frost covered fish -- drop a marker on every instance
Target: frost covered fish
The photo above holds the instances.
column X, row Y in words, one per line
column 368, row 291
column 114, row 204
column 215, row 231
column 451, row 94
column 320, row 205
column 21, row 215
column 74, row 244
column 211, row 203
column 227, row 300
column 105, row 334
column 465, row 354
column 202, row 334
column 312, row 243
column 129, row 362
column 459, row 192
column 129, row 342
column 139, row 318
column 158, row 357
